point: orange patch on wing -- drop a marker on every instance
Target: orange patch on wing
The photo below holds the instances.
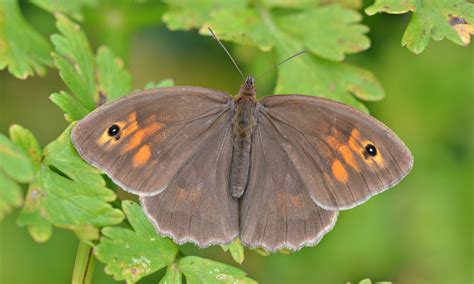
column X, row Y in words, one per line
column 296, row 201
column 346, row 154
column 142, row 156
column 344, row 150
column 339, row 172
column 132, row 125
column 141, row 134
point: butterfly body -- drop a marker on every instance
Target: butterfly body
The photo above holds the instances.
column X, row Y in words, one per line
column 209, row 167
column 243, row 123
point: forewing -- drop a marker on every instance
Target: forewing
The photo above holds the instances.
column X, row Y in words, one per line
column 160, row 130
column 327, row 143
column 197, row 206
column 276, row 210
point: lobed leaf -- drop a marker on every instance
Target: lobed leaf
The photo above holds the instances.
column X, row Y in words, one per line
column 72, row 8
column 23, row 50
column 27, row 141
column 434, row 19
column 31, row 215
column 188, row 14
column 72, row 108
column 75, row 61
column 76, row 203
column 243, row 27
column 113, row 81
column 131, row 254
column 337, row 81
column 324, row 36
column 62, row 155
column 173, row 275
column 10, row 195
column 329, row 31
column 14, row 161
column 201, row 270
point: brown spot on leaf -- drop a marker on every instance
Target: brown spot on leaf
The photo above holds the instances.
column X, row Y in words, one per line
column 462, row 27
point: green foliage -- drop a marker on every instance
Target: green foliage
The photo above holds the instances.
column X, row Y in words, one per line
column 71, row 8
column 79, row 70
column 64, row 191
column 23, row 50
column 328, row 32
column 435, row 19
column 173, row 275
column 133, row 254
column 201, row 270
column 236, row 250
column 14, row 161
column 113, row 80
column 10, row 195
column 162, row 83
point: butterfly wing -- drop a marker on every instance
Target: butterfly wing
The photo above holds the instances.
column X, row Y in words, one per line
column 197, row 206
column 276, row 210
column 343, row 156
column 159, row 132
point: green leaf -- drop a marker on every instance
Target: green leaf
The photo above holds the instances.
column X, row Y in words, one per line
column 243, row 27
column 72, row 8
column 23, row 50
column 76, row 203
column 337, row 81
column 132, row 254
column 162, row 83
column 173, row 275
column 72, row 108
column 201, row 270
column 114, row 81
column 10, row 195
column 75, row 61
column 304, row 4
column 188, row 14
column 391, row 6
column 324, row 36
column 27, row 141
column 236, row 250
column 329, row 31
column 365, row 281
column 62, row 155
column 14, row 161
column 31, row 215
column 262, row 251
column 434, row 19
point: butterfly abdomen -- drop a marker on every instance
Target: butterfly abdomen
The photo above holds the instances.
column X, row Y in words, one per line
column 243, row 124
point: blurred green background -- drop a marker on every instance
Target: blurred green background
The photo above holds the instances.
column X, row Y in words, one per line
column 418, row 232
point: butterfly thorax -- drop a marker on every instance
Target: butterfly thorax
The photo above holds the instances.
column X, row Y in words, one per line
column 243, row 124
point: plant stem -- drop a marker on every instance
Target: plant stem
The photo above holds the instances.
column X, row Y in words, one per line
column 84, row 265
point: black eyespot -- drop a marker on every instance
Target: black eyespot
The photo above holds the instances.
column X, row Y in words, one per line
column 114, row 130
column 371, row 150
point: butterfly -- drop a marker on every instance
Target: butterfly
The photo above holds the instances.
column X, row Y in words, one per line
column 209, row 167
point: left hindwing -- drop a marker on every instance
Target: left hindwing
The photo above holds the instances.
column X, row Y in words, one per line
column 342, row 155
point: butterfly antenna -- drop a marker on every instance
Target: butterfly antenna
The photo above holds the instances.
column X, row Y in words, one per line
column 228, row 53
column 286, row 60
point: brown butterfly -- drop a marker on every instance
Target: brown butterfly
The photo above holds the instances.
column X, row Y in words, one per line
column 210, row 167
